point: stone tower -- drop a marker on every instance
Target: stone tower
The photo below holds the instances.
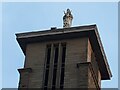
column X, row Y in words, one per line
column 70, row 57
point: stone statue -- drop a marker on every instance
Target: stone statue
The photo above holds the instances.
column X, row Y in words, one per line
column 67, row 18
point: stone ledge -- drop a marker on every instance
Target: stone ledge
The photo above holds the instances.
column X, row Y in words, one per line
column 25, row 70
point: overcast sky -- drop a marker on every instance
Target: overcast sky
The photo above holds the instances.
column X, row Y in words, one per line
column 22, row 17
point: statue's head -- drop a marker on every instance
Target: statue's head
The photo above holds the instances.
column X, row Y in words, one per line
column 68, row 11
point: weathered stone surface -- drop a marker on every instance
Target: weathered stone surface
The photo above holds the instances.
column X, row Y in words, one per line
column 85, row 61
column 77, row 51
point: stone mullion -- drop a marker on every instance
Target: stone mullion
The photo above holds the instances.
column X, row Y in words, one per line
column 59, row 67
column 51, row 67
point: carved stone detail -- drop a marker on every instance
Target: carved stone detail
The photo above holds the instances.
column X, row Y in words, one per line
column 67, row 18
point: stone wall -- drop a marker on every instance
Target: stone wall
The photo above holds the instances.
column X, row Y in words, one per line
column 77, row 51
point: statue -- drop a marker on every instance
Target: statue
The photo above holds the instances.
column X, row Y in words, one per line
column 67, row 19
